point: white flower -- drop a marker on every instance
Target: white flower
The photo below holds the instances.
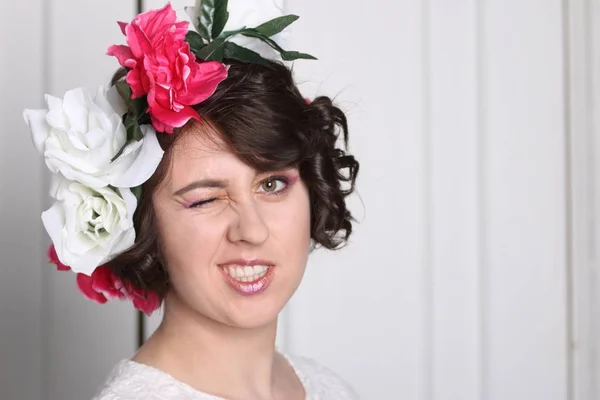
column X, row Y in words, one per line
column 89, row 226
column 250, row 14
column 80, row 135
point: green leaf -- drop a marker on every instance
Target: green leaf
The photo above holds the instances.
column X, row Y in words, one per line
column 192, row 13
column 243, row 54
column 203, row 32
column 258, row 35
column 134, row 132
column 210, row 18
column 140, row 106
column 195, row 40
column 214, row 51
column 144, row 119
column 228, row 34
column 285, row 55
column 121, row 151
column 137, row 106
column 220, row 18
column 294, row 55
column 276, row 25
column 125, row 92
column 205, row 10
column 137, row 192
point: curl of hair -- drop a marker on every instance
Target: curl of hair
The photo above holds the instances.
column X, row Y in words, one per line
column 261, row 115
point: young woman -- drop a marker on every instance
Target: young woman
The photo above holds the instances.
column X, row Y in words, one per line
column 223, row 180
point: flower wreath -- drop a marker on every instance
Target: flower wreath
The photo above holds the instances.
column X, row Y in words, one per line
column 100, row 149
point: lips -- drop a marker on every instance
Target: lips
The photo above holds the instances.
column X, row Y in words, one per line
column 251, row 263
column 248, row 277
column 246, row 273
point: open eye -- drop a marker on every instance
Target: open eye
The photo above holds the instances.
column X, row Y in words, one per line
column 273, row 185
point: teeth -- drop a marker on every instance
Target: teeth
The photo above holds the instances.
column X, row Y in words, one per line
column 247, row 273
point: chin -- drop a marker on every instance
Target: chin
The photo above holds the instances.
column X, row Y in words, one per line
column 257, row 302
column 246, row 313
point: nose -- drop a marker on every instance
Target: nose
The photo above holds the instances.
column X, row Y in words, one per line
column 248, row 225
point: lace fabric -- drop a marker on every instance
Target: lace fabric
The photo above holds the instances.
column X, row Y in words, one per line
column 130, row 380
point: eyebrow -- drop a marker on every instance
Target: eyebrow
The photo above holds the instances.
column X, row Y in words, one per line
column 204, row 183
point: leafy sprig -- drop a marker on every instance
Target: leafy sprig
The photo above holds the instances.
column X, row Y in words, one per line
column 210, row 43
column 136, row 116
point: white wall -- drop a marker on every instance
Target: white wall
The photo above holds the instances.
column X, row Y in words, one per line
column 455, row 284
column 457, row 281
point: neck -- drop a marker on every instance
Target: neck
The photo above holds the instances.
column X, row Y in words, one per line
column 211, row 356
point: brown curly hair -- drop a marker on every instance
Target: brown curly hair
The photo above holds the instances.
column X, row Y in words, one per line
column 262, row 116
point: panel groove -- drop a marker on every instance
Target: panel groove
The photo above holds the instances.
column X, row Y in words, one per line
column 593, row 283
column 428, row 293
column 569, row 279
column 46, row 291
column 481, row 123
column 580, row 177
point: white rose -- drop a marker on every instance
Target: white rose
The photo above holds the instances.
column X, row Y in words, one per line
column 80, row 135
column 89, row 226
column 250, row 14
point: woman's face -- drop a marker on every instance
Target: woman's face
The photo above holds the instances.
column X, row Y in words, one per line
column 235, row 241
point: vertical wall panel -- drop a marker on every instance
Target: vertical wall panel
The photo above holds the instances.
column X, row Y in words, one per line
column 593, row 273
column 583, row 257
column 455, row 167
column 525, row 199
column 82, row 340
column 361, row 311
column 584, row 39
column 21, row 251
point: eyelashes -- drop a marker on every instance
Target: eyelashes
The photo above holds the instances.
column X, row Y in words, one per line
column 286, row 181
column 277, row 179
column 201, row 203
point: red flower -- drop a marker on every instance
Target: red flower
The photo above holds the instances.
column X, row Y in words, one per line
column 103, row 285
column 53, row 259
column 85, row 284
column 163, row 68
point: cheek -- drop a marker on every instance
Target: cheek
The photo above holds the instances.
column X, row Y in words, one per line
column 190, row 241
column 289, row 225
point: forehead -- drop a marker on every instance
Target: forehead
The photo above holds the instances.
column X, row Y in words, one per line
column 202, row 153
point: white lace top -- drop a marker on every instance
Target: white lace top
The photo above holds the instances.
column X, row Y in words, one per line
column 130, row 380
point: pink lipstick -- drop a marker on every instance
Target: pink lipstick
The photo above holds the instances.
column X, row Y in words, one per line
column 248, row 277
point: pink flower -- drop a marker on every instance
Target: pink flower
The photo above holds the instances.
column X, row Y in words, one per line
column 53, row 259
column 162, row 67
column 104, row 285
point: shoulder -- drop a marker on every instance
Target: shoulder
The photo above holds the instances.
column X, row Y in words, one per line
column 125, row 382
column 321, row 381
column 133, row 381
